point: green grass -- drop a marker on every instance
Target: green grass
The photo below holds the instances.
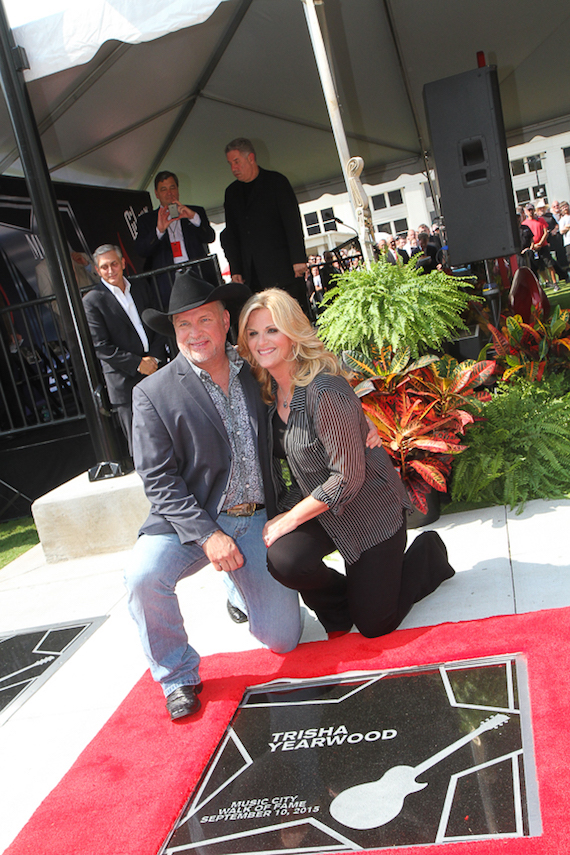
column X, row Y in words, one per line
column 559, row 298
column 16, row 537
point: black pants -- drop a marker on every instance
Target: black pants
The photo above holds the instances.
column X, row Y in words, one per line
column 378, row 590
column 125, row 415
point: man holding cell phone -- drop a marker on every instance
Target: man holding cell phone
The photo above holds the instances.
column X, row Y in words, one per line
column 173, row 233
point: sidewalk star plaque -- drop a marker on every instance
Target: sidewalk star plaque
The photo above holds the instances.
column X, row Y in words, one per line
column 29, row 657
column 349, row 762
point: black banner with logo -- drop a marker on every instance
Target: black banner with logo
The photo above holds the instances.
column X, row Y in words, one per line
column 91, row 216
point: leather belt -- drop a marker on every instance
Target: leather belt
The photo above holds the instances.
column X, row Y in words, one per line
column 246, row 509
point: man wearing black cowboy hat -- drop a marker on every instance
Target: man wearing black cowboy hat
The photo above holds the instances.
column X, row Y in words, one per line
column 201, row 449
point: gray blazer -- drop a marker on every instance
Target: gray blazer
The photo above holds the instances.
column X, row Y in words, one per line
column 325, row 446
column 182, row 452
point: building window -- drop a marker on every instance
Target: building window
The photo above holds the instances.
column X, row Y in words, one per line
column 427, row 189
column 395, row 197
column 534, row 162
column 329, row 222
column 517, row 167
column 401, row 226
column 379, row 201
column 384, row 227
column 566, row 153
column 539, row 192
column 312, row 223
column 523, row 196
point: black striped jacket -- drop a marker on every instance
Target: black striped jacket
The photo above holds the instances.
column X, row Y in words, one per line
column 326, row 452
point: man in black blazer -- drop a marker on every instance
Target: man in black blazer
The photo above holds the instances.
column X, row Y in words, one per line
column 202, row 451
column 127, row 349
column 427, row 258
column 395, row 254
column 263, row 239
column 164, row 240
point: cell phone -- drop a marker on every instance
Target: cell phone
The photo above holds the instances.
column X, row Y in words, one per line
column 173, row 211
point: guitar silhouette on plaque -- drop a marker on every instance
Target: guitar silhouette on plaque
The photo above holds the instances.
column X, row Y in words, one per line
column 378, row 802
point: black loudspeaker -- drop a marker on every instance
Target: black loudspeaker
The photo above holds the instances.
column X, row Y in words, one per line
column 465, row 121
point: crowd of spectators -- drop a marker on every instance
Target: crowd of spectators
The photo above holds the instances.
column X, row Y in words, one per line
column 422, row 243
column 321, row 270
column 545, row 240
column 545, row 246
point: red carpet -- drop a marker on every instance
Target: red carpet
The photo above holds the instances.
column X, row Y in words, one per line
column 125, row 791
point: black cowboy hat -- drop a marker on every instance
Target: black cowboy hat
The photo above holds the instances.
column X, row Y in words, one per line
column 189, row 292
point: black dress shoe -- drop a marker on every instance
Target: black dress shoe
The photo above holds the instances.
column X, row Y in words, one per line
column 184, row 701
column 236, row 614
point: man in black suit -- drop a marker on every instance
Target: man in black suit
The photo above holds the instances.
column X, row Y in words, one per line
column 164, row 239
column 127, row 348
column 395, row 254
column 427, row 258
column 263, row 239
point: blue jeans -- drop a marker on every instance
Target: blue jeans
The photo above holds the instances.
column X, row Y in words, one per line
column 234, row 596
column 159, row 561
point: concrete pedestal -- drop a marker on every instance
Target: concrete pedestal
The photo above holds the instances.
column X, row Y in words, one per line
column 82, row 518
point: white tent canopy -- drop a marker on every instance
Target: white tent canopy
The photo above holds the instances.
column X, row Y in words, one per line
column 59, row 34
column 169, row 86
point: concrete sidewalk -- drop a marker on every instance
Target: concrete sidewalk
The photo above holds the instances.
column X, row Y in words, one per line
column 506, row 564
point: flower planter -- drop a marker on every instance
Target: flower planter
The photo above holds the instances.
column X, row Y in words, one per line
column 467, row 345
column 416, row 519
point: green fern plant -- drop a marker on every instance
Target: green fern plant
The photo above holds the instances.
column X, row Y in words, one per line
column 392, row 304
column 520, row 450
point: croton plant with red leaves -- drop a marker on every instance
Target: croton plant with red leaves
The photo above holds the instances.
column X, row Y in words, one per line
column 421, row 410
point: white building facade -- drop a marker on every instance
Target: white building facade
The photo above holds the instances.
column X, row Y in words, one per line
column 539, row 169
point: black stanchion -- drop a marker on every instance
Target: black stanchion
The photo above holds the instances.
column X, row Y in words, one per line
column 13, row 62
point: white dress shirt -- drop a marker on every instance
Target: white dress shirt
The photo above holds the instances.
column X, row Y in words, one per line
column 175, row 234
column 128, row 304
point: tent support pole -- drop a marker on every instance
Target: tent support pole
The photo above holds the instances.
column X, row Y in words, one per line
column 13, row 62
column 351, row 166
column 406, row 81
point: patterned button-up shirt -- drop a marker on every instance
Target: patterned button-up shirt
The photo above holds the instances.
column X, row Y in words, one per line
column 245, row 483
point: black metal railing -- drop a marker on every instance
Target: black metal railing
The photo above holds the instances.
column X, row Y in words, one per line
column 162, row 278
column 346, row 256
column 37, row 385
column 36, row 371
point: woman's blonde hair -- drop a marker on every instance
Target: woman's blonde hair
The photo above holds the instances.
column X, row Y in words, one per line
column 308, row 351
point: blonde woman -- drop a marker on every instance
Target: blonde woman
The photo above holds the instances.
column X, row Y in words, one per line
column 336, row 493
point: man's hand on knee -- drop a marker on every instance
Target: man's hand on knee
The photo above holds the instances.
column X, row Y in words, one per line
column 223, row 552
